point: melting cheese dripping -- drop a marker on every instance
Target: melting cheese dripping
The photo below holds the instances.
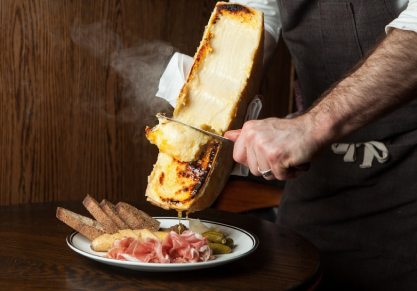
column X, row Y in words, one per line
column 179, row 220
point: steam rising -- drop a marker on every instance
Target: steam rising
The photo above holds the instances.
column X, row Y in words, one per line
column 139, row 66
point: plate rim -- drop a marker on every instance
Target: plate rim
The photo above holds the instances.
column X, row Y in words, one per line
column 140, row 266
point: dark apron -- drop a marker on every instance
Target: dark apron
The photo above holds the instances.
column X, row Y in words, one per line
column 339, row 206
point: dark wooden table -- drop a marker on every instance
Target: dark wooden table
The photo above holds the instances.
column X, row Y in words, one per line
column 34, row 255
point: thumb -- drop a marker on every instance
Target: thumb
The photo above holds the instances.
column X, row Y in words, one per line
column 232, row 134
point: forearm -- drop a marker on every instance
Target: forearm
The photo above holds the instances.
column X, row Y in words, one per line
column 384, row 81
column 381, row 83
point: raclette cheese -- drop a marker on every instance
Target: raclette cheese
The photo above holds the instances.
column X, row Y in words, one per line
column 191, row 168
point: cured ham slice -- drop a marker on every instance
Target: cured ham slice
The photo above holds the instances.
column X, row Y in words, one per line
column 185, row 248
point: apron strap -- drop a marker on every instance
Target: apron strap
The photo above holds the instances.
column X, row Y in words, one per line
column 370, row 151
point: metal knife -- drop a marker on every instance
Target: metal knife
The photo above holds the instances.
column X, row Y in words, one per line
column 216, row 136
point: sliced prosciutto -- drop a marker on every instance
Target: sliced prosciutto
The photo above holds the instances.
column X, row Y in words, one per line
column 185, row 248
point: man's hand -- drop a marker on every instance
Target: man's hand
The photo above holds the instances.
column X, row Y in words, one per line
column 382, row 82
column 277, row 144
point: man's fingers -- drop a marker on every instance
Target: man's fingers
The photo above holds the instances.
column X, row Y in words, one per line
column 232, row 134
column 239, row 150
column 263, row 167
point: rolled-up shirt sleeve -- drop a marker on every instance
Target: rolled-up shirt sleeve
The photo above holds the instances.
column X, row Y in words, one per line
column 272, row 20
column 407, row 20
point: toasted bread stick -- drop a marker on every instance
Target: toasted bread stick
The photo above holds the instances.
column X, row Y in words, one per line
column 86, row 226
column 135, row 218
column 95, row 210
column 108, row 208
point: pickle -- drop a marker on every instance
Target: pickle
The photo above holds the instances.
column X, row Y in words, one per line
column 229, row 242
column 219, row 248
column 215, row 237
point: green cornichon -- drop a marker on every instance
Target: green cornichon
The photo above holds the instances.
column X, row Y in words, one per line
column 215, row 237
column 218, row 248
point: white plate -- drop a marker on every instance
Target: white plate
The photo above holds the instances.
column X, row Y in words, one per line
column 245, row 243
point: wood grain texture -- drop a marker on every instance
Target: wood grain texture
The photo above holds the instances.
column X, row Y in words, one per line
column 71, row 120
column 34, row 256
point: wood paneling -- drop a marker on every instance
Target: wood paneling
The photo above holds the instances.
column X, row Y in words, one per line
column 77, row 83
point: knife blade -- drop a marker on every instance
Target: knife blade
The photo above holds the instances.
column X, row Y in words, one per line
column 216, row 136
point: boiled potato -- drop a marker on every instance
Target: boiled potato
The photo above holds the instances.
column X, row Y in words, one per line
column 104, row 242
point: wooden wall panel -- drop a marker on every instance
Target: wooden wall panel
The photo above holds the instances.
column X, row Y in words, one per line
column 77, row 85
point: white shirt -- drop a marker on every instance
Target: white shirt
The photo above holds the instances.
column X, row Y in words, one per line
column 408, row 17
column 407, row 20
